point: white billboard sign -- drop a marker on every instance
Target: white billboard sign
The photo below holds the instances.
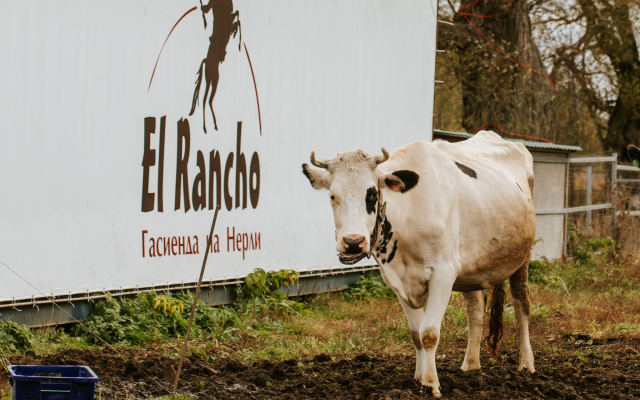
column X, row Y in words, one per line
column 108, row 179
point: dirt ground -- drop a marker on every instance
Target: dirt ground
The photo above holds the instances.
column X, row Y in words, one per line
column 575, row 368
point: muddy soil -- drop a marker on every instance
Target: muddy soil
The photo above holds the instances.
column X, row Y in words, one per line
column 610, row 371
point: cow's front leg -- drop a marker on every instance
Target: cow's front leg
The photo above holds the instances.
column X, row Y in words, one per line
column 475, row 315
column 414, row 318
column 439, row 293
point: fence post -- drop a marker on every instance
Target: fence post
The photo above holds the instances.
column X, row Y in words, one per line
column 566, row 205
column 589, row 184
column 614, row 178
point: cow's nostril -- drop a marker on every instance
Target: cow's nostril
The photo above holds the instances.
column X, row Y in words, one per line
column 353, row 244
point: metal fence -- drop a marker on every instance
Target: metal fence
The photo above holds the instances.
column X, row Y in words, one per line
column 603, row 199
column 590, row 183
column 628, row 212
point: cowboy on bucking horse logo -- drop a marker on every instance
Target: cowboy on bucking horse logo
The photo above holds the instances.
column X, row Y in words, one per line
column 226, row 22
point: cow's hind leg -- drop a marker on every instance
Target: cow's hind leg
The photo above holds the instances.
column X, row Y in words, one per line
column 414, row 318
column 522, row 306
column 475, row 315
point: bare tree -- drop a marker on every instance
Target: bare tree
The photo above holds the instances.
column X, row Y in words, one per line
column 494, row 87
column 605, row 64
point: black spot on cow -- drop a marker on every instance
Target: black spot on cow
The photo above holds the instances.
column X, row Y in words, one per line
column 393, row 251
column 307, row 174
column 371, row 199
column 385, row 236
column 467, row 170
column 409, row 180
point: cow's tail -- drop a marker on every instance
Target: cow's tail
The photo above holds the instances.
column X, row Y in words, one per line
column 496, row 319
column 196, row 94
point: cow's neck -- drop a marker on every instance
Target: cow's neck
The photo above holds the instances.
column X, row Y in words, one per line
column 397, row 261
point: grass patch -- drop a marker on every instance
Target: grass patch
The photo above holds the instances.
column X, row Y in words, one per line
column 590, row 296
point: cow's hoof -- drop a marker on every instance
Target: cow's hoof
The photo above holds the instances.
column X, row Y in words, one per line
column 433, row 386
column 470, row 366
column 434, row 391
column 529, row 368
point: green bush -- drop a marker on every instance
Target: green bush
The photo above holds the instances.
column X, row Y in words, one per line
column 589, row 266
column 277, row 301
column 260, row 293
column 589, row 251
column 15, row 337
column 151, row 316
column 261, row 284
column 369, row 286
column 539, row 270
column 546, row 273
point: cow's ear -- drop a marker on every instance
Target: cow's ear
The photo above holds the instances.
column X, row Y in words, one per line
column 400, row 181
column 317, row 176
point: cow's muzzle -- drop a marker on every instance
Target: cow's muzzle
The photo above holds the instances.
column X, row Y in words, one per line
column 355, row 251
column 353, row 244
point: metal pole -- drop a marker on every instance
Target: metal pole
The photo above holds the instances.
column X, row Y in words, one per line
column 614, row 178
column 589, row 199
column 433, row 114
column 566, row 205
column 195, row 301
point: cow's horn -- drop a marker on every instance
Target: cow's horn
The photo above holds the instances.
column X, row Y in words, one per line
column 384, row 157
column 318, row 163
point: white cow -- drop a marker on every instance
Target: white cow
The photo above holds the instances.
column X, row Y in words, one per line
column 459, row 216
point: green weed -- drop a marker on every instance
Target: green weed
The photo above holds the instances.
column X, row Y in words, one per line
column 369, row 286
column 588, row 251
column 15, row 337
column 150, row 317
column 539, row 313
column 261, row 284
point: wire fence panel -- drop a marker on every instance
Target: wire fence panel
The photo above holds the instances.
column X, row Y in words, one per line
column 597, row 222
column 602, row 199
column 589, row 184
column 628, row 211
column 630, row 181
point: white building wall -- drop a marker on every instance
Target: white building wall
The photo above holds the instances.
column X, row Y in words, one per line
column 549, row 194
column 106, row 176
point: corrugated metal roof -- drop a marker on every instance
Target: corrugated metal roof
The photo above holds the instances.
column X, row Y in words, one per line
column 527, row 144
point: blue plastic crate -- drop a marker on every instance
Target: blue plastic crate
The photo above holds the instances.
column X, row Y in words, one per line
column 52, row 382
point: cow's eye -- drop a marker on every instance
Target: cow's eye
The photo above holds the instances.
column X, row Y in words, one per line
column 332, row 197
